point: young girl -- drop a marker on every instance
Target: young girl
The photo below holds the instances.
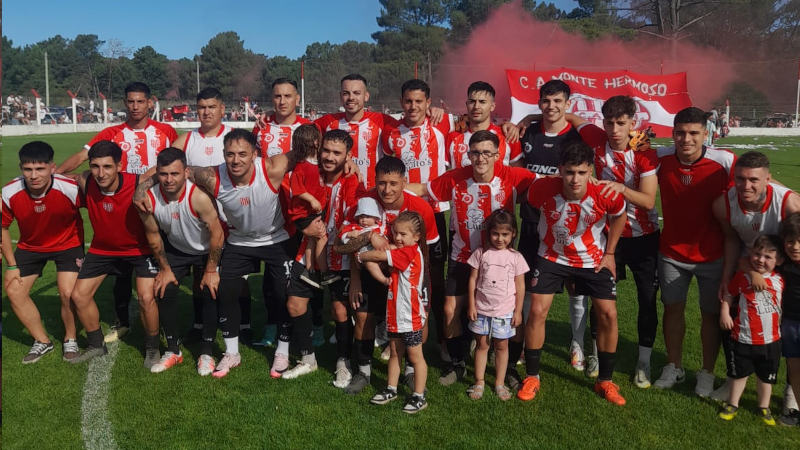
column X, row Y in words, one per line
column 495, row 293
column 405, row 311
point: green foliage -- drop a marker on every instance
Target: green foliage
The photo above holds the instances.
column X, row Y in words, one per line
column 746, row 101
column 228, row 66
column 152, row 67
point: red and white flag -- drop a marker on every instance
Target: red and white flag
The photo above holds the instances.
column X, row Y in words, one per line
column 658, row 97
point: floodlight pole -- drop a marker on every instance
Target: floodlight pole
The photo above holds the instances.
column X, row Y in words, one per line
column 46, row 82
column 197, row 65
column 302, row 88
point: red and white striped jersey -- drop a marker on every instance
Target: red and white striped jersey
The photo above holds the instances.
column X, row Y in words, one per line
column 627, row 167
column 750, row 224
column 180, row 223
column 759, row 317
column 205, row 151
column 274, row 138
column 139, row 147
column 254, row 213
column 48, row 223
column 422, row 149
column 571, row 231
column 118, row 230
column 473, row 202
column 405, row 303
column 387, row 216
column 458, row 146
column 690, row 233
column 366, row 134
column 342, row 196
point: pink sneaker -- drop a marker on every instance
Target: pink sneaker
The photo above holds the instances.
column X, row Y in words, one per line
column 279, row 365
column 227, row 363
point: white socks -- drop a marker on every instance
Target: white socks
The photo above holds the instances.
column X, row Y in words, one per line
column 578, row 307
column 644, row 354
column 232, row 346
column 283, row 348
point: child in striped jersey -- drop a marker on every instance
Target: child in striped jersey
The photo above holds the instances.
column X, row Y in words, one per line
column 753, row 318
column 405, row 310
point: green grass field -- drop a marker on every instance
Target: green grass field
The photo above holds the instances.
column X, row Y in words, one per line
column 42, row 403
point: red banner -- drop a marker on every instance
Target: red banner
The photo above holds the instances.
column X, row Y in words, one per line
column 658, row 97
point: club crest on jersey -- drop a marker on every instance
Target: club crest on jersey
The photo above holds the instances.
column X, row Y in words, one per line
column 562, row 235
column 590, row 218
column 462, row 148
column 686, row 179
column 176, row 215
column 400, row 142
column 125, row 146
column 109, row 207
column 555, row 215
column 39, row 207
column 244, row 201
column 209, row 151
column 269, row 137
column 366, row 135
column 500, row 197
column 154, row 143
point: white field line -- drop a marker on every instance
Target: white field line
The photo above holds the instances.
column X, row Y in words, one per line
column 96, row 428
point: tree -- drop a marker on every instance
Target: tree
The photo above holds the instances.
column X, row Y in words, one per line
column 151, row 67
column 226, row 65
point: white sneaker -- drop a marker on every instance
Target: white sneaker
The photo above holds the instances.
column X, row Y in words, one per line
column 789, row 401
column 641, row 378
column 343, row 374
column 592, row 369
column 299, row 370
column 670, row 375
column 576, row 359
column 227, row 363
column 721, row 393
column 705, row 383
column 205, row 365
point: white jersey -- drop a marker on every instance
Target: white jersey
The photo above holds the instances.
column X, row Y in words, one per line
column 205, row 151
column 253, row 211
column 179, row 222
column 750, row 224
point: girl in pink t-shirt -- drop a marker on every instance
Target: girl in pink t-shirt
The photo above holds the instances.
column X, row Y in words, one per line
column 496, row 291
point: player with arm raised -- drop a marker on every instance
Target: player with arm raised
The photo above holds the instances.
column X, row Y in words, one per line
column 45, row 207
column 193, row 238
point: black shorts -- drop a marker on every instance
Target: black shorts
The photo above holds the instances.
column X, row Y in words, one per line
column 298, row 287
column 638, row 253
column 409, row 339
column 340, row 289
column 744, row 359
column 32, row 263
column 439, row 251
column 239, row 260
column 373, row 296
column 548, row 277
column 144, row 266
column 181, row 263
column 303, row 222
column 457, row 278
column 529, row 247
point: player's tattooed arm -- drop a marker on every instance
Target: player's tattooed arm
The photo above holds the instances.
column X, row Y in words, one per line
column 352, row 245
column 140, row 198
column 204, row 206
column 205, row 177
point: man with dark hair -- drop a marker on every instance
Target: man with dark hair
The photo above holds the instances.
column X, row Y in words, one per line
column 193, row 238
column 274, row 133
column 119, row 246
column 480, row 104
column 367, row 295
column 690, row 177
column 247, row 187
column 203, row 146
column 45, row 207
column 573, row 245
column 630, row 172
column 344, row 190
column 755, row 205
column 141, row 139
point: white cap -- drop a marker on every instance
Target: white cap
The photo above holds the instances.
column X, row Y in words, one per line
column 367, row 206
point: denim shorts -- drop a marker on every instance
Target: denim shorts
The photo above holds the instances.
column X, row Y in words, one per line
column 496, row 327
column 790, row 338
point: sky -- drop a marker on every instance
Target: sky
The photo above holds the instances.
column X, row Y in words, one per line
column 181, row 28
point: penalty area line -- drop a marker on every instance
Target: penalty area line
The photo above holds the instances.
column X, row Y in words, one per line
column 96, row 428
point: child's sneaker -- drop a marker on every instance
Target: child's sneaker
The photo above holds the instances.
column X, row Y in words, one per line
column 576, row 359
column 310, row 278
column 641, row 377
column 609, row 391
column 670, row 376
column 728, row 412
column 70, row 350
column 383, row 397
column 329, row 278
column 116, row 332
column 167, row 361
column 530, row 387
column 766, row 416
column 205, row 365
column 415, row 404
column 38, row 349
column 592, row 366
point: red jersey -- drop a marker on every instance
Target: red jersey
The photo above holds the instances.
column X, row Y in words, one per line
column 458, row 146
column 627, row 167
column 759, row 317
column 305, row 178
column 691, row 234
column 366, row 134
column 118, row 230
column 342, row 195
column 48, row 223
column 473, row 202
column 422, row 149
column 139, row 147
column 405, row 302
column 410, row 203
column 274, row 138
column 571, row 231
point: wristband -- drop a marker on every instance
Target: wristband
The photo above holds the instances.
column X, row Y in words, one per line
column 358, row 257
column 12, row 267
column 211, row 271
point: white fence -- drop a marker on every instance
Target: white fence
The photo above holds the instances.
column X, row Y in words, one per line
column 26, row 130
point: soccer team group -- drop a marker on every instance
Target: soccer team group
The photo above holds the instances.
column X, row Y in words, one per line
column 354, row 203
